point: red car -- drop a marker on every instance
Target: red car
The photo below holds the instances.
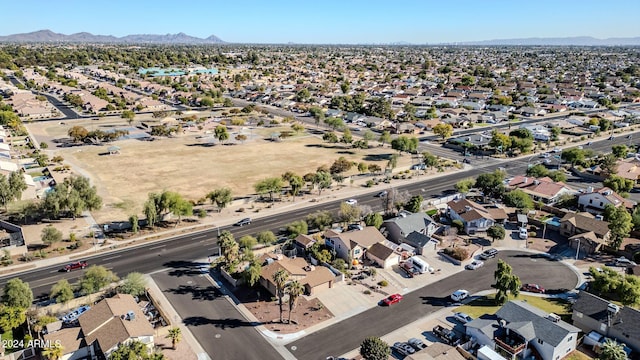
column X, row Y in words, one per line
column 392, row 299
column 534, row 288
column 75, row 266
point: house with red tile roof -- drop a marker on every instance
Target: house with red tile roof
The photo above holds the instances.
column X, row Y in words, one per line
column 542, row 189
column 474, row 216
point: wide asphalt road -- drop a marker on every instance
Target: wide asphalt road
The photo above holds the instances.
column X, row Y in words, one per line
column 347, row 335
column 220, row 328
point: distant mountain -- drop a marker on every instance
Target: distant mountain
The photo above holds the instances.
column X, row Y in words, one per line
column 48, row 36
column 565, row 41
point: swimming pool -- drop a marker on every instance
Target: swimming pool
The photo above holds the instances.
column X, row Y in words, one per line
column 554, row 221
column 42, row 178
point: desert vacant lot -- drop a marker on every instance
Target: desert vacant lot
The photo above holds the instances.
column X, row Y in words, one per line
column 185, row 165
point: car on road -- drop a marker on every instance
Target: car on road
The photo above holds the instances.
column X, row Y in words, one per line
column 403, row 348
column 462, row 317
column 459, row 295
column 75, row 266
column 392, row 299
column 611, row 137
column 352, row 202
column 245, row 221
column 533, row 288
column 382, row 193
column 488, row 254
column 624, row 262
column 557, row 150
column 590, row 143
column 417, row 344
column 466, row 161
column 474, row 265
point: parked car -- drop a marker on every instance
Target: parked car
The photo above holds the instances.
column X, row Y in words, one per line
column 534, row 288
column 382, row 193
column 590, row 143
column 352, row 202
column 459, row 295
column 446, row 335
column 245, row 221
column 72, row 316
column 624, row 262
column 75, row 266
column 523, row 233
column 417, row 344
column 418, row 167
column 392, row 299
column 403, row 348
column 474, row 265
column 354, row 227
column 488, row 254
column 462, row 317
column 466, row 161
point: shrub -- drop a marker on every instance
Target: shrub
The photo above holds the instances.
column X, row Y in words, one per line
column 458, row 224
column 383, row 283
column 367, row 292
column 369, row 183
column 457, row 253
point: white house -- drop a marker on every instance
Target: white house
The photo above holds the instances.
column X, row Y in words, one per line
column 594, row 201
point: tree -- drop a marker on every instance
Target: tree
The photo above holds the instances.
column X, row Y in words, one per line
column 151, row 211
column 74, row 195
column 373, row 219
column 280, row 279
column 405, row 143
column 266, row 237
column 134, row 284
column 538, row 171
column 620, row 224
column 618, row 184
column 620, row 151
column 340, row 165
column 496, row 232
column 229, row 249
column 611, row 350
column 519, row 199
column 443, row 130
column 17, row 185
column 269, row 186
column 506, row 282
column 296, row 228
column 573, row 155
column 50, row 235
column 330, row 137
column 221, row 133
column 294, row 289
column 491, row 184
column 414, row 204
column 385, row 137
column 17, row 294
column 323, row 180
column 373, row 348
column 347, row 138
column 296, row 182
column 129, row 115
column 11, row 317
column 335, row 123
column 464, row 186
column 320, row 220
column 78, row 133
column 247, row 242
column 363, row 167
column 53, row 352
column 61, row 292
column 500, row 141
column 221, row 197
column 131, row 350
column 317, row 114
column 629, row 291
column 430, row 160
column 95, row 279
column 175, row 334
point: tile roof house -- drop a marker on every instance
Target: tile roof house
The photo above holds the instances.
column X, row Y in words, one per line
column 579, row 223
column 521, row 330
column 115, row 321
column 72, row 341
column 594, row 201
column 474, row 216
column 413, row 229
column 542, row 189
column 383, row 256
column 311, row 277
column 352, row 245
column 592, row 313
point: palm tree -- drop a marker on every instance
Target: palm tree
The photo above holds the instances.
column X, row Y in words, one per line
column 294, row 289
column 53, row 352
column 175, row 335
column 611, row 350
column 280, row 278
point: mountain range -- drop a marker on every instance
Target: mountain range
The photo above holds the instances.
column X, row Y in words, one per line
column 48, row 36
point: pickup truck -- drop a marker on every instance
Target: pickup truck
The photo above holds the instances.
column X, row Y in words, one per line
column 74, row 266
column 446, row 335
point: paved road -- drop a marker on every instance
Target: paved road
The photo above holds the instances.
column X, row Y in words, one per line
column 347, row 335
column 219, row 327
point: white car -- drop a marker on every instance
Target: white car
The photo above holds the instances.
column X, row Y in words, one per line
column 462, row 317
column 523, row 233
column 459, row 295
column 352, row 202
column 474, row 265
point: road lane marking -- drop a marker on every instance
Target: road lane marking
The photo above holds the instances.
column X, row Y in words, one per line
column 157, row 247
column 199, row 237
column 112, row 257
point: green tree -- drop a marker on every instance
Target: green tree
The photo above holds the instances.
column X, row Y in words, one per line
column 443, row 130
column 78, row 133
column 349, row 213
column 221, row 197
column 207, row 102
column 269, row 186
column 496, row 232
column 53, row 351
column 221, row 133
column 294, row 289
column 335, row 123
column 323, row 180
column 491, row 184
column 373, row 219
column 464, row 186
column 229, row 249
column 131, row 350
column 620, row 151
column 296, row 182
column 629, row 291
column 347, row 138
column 620, row 224
column 280, row 279
column 247, row 242
column 17, row 293
column 557, row 176
column 330, row 137
column 296, row 228
column 405, row 144
column 129, row 115
column 135, row 226
column 611, row 350
column 266, row 237
column 573, row 155
column 320, row 220
column 50, row 235
column 95, row 279
column 506, row 282
column 175, row 334
column 500, row 141
column 17, row 185
column 519, row 199
column 134, row 284
column 618, row 184
column 151, row 211
column 538, row 171
column 429, row 159
column 252, row 273
column 385, row 137
column 414, row 204
column 373, row 348
column 363, row 167
column 61, row 292
column 11, row 317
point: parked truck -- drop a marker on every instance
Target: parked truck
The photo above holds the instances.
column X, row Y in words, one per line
column 446, row 335
column 419, row 265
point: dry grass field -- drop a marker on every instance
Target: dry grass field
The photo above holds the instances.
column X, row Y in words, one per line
column 187, row 165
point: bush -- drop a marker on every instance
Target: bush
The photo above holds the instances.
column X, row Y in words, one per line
column 367, row 292
column 457, row 253
column 458, row 224
column 383, row 283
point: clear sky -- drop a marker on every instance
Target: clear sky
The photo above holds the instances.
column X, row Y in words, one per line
column 329, row 21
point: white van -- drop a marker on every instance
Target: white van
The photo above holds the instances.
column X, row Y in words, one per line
column 459, row 295
column 419, row 265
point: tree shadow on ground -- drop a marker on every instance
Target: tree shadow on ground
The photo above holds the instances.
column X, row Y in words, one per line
column 377, row 157
column 185, row 268
column 219, row 323
column 208, row 293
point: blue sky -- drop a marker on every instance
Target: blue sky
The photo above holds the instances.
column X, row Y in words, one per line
column 330, row 21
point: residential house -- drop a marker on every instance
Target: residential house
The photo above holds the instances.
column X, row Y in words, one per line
column 532, row 111
column 543, row 189
column 592, row 313
column 579, row 223
column 594, row 201
column 303, row 242
column 629, row 169
column 413, row 229
column 519, row 330
column 112, row 322
column 74, row 346
column 313, row 278
column 352, row 245
column 588, row 243
column 474, row 216
column 383, row 256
